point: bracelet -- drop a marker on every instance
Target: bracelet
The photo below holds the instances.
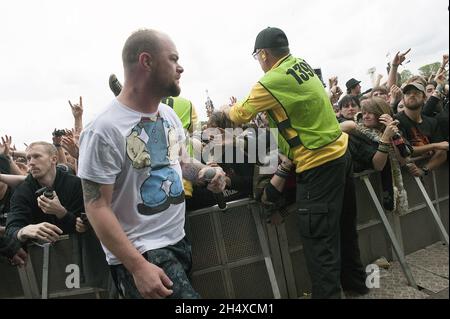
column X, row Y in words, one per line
column 284, row 169
column 57, row 145
column 395, row 64
column 383, row 149
column 281, row 174
column 384, row 143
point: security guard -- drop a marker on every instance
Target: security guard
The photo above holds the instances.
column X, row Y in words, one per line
column 296, row 103
column 185, row 111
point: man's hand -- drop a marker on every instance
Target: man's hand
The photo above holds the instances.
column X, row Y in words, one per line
column 285, row 162
column 336, row 93
column 440, row 77
column 5, row 146
column 20, row 258
column 400, row 58
column 218, row 183
column 80, row 227
column 233, row 100
column 51, row 206
column 152, row 282
column 70, row 146
column 333, row 81
column 57, row 140
column 444, row 60
column 395, row 94
column 44, row 231
column 77, row 108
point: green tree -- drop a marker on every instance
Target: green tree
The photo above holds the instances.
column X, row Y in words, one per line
column 427, row 70
column 405, row 75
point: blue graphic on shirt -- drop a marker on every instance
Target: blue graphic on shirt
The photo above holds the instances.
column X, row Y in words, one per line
column 163, row 186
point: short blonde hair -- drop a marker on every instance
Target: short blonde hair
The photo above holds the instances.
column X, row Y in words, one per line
column 50, row 148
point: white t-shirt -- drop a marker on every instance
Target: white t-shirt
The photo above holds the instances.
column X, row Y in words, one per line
column 138, row 153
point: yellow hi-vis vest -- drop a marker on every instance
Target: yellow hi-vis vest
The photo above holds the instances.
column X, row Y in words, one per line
column 185, row 111
column 183, row 108
column 307, row 117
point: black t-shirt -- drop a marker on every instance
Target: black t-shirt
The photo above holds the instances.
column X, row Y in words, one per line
column 362, row 150
column 419, row 134
column 4, row 206
column 442, row 119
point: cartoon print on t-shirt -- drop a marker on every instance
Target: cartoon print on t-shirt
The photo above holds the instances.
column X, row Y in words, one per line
column 163, row 186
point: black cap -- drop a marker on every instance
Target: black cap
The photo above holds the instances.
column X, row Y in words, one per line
column 271, row 38
column 352, row 83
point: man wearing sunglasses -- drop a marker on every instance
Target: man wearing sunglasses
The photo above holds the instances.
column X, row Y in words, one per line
column 296, row 103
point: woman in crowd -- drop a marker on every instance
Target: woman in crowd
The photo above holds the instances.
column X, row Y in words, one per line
column 371, row 146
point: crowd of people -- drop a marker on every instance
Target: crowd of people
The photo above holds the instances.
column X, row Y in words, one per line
column 125, row 180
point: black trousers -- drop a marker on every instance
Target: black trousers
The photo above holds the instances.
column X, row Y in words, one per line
column 327, row 222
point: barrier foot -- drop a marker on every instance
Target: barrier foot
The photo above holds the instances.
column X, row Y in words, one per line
column 436, row 217
column 390, row 232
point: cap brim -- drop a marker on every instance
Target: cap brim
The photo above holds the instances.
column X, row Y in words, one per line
column 412, row 85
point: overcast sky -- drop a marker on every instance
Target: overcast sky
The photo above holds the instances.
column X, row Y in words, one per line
column 52, row 51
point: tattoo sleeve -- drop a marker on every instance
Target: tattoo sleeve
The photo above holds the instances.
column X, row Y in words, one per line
column 91, row 191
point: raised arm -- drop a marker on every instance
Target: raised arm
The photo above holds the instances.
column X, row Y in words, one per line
column 398, row 60
column 77, row 112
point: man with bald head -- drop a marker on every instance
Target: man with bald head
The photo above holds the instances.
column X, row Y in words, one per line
column 132, row 161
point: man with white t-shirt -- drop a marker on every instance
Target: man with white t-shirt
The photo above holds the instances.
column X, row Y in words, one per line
column 132, row 160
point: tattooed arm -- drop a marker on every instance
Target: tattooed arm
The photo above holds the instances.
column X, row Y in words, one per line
column 194, row 171
column 150, row 280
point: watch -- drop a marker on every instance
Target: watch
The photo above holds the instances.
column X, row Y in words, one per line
column 425, row 170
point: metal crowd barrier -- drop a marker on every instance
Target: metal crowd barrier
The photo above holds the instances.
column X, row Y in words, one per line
column 44, row 275
column 226, row 244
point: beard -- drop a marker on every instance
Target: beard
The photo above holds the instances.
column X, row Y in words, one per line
column 173, row 90
column 165, row 89
column 413, row 105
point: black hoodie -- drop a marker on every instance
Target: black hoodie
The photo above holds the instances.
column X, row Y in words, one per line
column 25, row 211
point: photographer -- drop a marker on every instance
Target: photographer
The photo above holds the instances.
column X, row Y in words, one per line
column 54, row 209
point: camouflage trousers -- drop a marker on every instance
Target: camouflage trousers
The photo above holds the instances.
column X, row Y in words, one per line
column 175, row 260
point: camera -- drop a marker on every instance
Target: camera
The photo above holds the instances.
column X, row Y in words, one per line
column 46, row 191
column 58, row 133
column 85, row 219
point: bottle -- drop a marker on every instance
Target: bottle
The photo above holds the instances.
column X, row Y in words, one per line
column 398, row 141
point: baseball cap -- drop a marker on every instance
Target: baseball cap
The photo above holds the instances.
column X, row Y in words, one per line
column 271, row 38
column 416, row 85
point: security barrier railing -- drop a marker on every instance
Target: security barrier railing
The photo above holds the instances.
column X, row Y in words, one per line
column 236, row 254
